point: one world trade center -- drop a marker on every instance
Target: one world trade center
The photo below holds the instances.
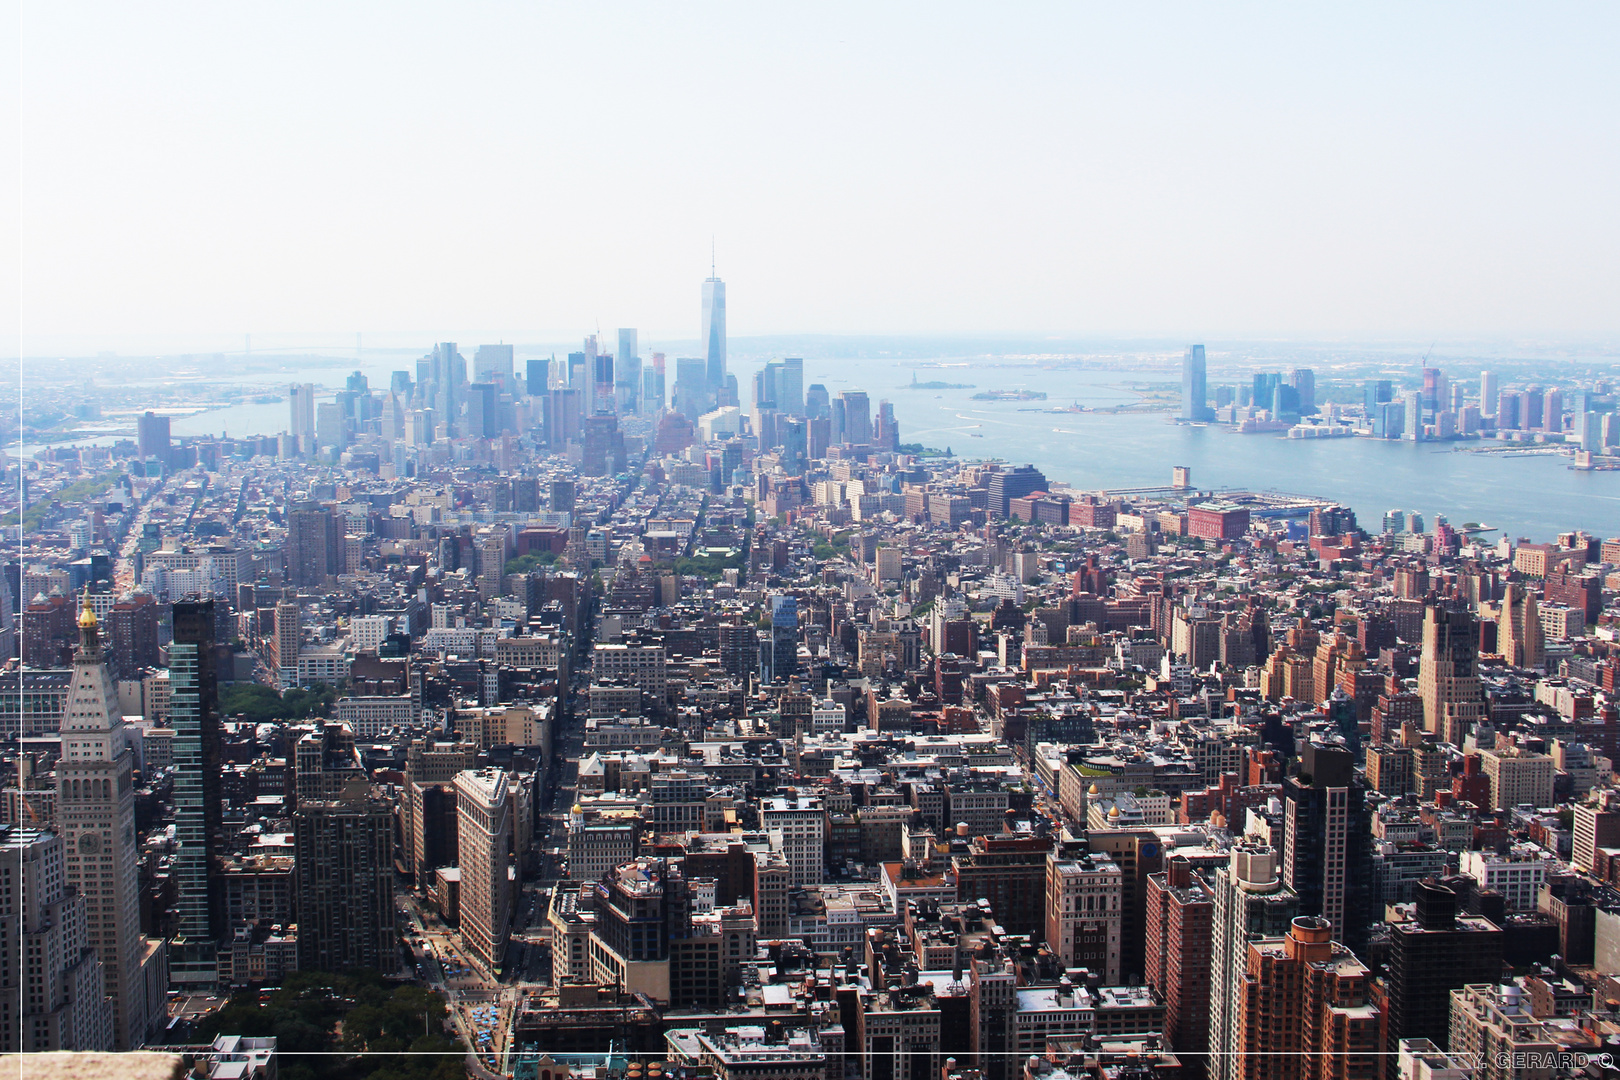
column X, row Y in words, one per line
column 714, row 333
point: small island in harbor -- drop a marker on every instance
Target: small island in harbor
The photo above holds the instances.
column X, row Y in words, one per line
column 1010, row 395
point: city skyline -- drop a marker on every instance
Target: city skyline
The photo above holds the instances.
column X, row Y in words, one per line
column 1132, row 590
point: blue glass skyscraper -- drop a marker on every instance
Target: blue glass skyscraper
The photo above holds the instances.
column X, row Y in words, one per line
column 779, row 658
column 1194, row 391
column 194, row 712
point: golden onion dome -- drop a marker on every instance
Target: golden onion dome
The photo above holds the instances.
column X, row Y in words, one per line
column 87, row 619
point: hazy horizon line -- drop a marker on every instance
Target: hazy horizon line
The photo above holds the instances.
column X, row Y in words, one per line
column 75, row 347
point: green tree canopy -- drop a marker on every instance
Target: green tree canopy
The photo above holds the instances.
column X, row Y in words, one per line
column 396, row 1032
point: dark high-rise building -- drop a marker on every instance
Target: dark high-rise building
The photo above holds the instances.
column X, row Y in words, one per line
column 194, row 713
column 435, row 807
column 152, row 436
column 794, row 438
column 784, row 639
column 525, row 494
column 1327, row 832
column 314, row 546
column 132, row 634
column 737, row 648
column 1010, row 484
column 1389, row 421
column 537, row 380
column 630, row 911
column 1303, row 380
column 1430, row 955
column 562, row 496
column 602, row 384
column 344, row 849
column 1265, row 388
column 1285, row 403
column 1009, row 872
column 731, row 457
column 597, row 445
column 1448, row 674
column 1378, row 392
column 47, row 631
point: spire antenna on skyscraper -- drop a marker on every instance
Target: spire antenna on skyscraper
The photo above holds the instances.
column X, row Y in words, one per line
column 714, row 333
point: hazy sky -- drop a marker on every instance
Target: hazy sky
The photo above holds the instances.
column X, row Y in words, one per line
column 1202, row 170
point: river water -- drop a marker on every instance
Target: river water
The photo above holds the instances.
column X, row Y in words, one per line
column 1534, row 496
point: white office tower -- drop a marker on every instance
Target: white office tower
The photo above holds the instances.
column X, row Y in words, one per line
column 95, row 812
column 1250, row 901
column 483, row 838
column 714, row 333
column 53, row 994
column 1413, row 429
column 584, row 379
column 301, row 421
column 1487, row 394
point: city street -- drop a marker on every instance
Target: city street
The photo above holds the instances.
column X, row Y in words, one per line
column 124, row 568
column 481, row 1008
